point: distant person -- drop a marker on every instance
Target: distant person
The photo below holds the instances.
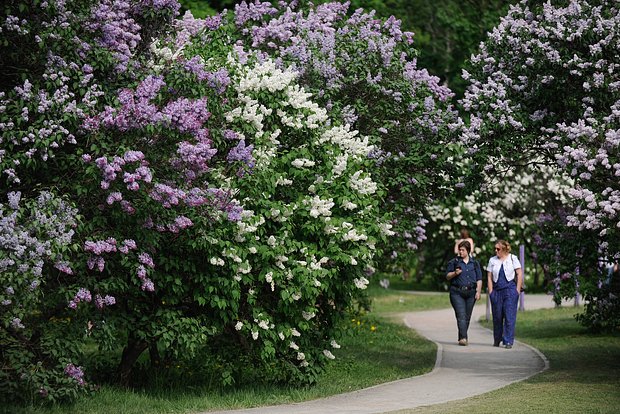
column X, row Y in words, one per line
column 504, row 278
column 464, row 237
column 465, row 278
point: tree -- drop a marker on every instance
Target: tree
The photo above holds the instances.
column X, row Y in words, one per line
column 535, row 55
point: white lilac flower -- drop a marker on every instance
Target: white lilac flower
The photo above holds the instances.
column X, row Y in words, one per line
column 302, row 162
column 319, row 207
column 255, row 335
column 271, row 241
column 239, row 325
column 294, row 346
column 301, row 356
column 361, row 283
column 295, row 332
column 281, row 335
column 334, row 344
column 283, row 181
column 347, row 141
column 385, row 229
column 353, row 235
column 362, row 185
column 308, row 315
column 328, row 354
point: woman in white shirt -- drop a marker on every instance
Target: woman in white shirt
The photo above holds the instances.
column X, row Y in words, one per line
column 504, row 278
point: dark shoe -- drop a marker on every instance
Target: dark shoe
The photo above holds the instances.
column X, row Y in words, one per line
column 509, row 346
column 496, row 344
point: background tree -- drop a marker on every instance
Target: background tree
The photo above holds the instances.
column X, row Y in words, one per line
column 536, row 54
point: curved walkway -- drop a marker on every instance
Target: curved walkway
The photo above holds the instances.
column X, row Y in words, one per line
column 480, row 363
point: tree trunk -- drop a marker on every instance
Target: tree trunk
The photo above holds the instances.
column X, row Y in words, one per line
column 131, row 353
column 154, row 354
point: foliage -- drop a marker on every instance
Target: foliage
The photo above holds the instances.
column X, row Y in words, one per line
column 537, row 53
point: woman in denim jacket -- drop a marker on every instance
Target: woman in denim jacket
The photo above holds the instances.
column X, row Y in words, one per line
column 465, row 278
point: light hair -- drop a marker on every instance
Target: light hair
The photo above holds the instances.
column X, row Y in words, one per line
column 505, row 245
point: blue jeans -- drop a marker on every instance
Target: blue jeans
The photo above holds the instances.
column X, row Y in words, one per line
column 463, row 303
column 504, row 305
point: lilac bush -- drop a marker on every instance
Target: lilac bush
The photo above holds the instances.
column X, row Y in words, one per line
column 170, row 191
column 537, row 54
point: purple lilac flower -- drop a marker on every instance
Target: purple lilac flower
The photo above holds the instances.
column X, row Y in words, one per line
column 76, row 373
column 242, row 153
column 14, row 197
column 146, row 260
column 64, row 267
column 101, row 246
column 16, row 323
column 101, row 301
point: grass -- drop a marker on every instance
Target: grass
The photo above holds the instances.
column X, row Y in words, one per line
column 584, row 374
column 386, row 301
column 375, row 352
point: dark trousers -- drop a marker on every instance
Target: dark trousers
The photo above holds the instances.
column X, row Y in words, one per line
column 504, row 306
column 463, row 303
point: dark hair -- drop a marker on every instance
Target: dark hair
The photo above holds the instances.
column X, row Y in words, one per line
column 464, row 233
column 466, row 245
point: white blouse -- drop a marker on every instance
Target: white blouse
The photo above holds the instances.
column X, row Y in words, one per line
column 511, row 263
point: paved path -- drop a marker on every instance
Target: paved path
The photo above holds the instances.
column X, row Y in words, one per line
column 480, row 363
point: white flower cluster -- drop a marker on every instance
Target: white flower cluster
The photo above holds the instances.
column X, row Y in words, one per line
column 346, row 139
column 361, row 283
column 319, row 207
column 302, row 162
column 362, row 185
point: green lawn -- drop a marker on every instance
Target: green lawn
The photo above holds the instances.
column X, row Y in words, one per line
column 584, row 374
column 376, row 351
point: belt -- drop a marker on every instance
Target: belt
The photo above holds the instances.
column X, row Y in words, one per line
column 470, row 287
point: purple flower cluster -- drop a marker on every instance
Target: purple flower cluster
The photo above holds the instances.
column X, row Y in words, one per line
column 64, row 267
column 103, row 301
column 218, row 80
column 110, row 171
column 147, row 284
column 146, row 260
column 180, row 223
column 82, row 295
column 98, row 248
column 16, row 323
column 76, row 373
column 168, row 196
column 245, row 12
column 242, row 153
column 127, row 245
column 118, row 31
column 188, row 115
